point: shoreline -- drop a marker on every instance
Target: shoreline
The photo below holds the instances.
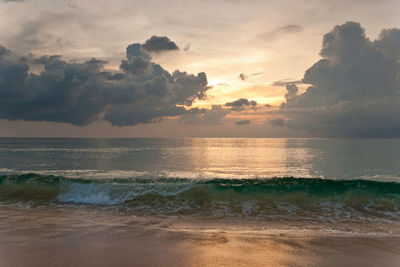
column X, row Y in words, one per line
column 90, row 237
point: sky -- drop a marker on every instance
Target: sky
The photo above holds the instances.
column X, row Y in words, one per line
column 200, row 68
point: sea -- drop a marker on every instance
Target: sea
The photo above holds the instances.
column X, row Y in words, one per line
column 272, row 179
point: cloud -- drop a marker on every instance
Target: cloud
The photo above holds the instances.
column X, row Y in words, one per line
column 355, row 87
column 243, row 76
column 241, row 104
column 213, row 116
column 38, row 34
column 285, row 82
column 72, row 5
column 291, row 91
column 287, row 29
column 217, row 113
column 291, row 28
column 242, row 122
column 277, row 122
column 388, row 43
column 256, row 73
column 187, row 47
column 159, row 44
column 80, row 93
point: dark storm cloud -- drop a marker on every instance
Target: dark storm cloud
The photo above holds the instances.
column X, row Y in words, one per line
column 241, row 104
column 355, row 87
column 242, row 122
column 159, row 44
column 79, row 93
column 388, row 43
column 291, row 91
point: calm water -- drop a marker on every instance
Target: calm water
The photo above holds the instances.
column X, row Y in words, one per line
column 219, row 158
column 209, row 177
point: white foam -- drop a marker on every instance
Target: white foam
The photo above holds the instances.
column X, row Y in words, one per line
column 6, row 170
column 99, row 194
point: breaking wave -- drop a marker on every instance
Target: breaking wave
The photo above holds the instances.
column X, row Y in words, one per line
column 271, row 198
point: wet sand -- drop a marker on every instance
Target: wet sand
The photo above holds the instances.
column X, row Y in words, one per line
column 82, row 237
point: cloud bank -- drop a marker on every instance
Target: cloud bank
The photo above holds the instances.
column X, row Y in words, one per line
column 218, row 113
column 80, row 93
column 242, row 122
column 355, row 87
column 213, row 116
column 241, row 104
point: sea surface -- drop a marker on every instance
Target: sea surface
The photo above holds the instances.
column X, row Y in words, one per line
column 317, row 180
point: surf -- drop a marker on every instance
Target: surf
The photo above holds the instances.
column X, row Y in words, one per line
column 271, row 198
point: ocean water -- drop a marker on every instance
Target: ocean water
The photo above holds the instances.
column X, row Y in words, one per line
column 329, row 180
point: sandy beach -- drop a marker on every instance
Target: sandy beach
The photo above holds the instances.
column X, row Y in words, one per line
column 90, row 237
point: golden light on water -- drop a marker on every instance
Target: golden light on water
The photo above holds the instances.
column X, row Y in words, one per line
column 264, row 157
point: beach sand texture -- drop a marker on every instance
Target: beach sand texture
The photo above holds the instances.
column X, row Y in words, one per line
column 71, row 237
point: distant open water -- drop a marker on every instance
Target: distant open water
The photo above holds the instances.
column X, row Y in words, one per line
column 292, row 179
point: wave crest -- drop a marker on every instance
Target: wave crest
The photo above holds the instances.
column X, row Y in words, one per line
column 282, row 198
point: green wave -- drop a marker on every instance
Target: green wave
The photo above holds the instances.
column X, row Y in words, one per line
column 287, row 198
